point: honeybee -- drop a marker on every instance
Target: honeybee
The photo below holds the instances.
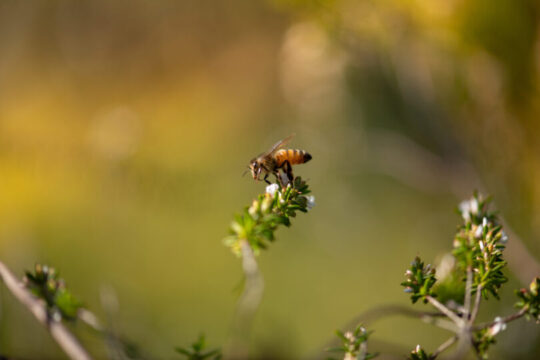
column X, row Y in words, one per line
column 276, row 158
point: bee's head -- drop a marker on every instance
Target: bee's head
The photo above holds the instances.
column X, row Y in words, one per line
column 255, row 168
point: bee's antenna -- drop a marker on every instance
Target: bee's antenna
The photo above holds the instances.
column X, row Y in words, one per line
column 245, row 172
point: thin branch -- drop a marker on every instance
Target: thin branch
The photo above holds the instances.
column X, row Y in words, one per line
column 451, row 315
column 58, row 331
column 468, row 293
column 247, row 305
column 443, row 324
column 90, row 319
column 116, row 347
column 384, row 311
column 464, row 335
column 515, row 316
column 464, row 344
column 363, row 350
column 505, row 320
column 445, row 345
column 476, row 306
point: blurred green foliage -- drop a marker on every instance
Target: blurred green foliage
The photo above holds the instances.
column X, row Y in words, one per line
column 195, row 351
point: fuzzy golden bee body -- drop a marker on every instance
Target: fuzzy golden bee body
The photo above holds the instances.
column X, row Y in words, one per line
column 294, row 157
column 276, row 159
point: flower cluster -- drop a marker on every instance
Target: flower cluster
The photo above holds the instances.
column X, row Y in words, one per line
column 46, row 284
column 420, row 280
column 477, row 250
column 479, row 245
column 474, row 268
column 354, row 344
column 529, row 300
column 275, row 207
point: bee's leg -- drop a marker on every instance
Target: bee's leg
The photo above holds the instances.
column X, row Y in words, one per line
column 278, row 178
column 288, row 170
column 266, row 179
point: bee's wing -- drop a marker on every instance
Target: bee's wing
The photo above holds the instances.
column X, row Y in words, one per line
column 279, row 144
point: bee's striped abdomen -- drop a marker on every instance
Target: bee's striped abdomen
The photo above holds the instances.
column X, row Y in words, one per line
column 294, row 156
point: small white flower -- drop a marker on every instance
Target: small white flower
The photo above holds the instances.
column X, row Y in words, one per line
column 271, row 189
column 481, row 243
column 484, row 221
column 349, row 336
column 474, row 205
column 468, row 207
column 266, row 203
column 464, row 210
column 499, row 326
column 408, row 273
column 310, row 202
column 479, row 231
column 418, row 347
column 504, row 237
column 253, row 208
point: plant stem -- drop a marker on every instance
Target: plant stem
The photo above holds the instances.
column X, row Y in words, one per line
column 90, row 319
column 58, row 331
column 384, row 311
column 442, row 323
column 476, row 306
column 363, row 350
column 505, row 320
column 468, row 293
column 464, row 344
column 451, row 315
column 445, row 345
column 247, row 305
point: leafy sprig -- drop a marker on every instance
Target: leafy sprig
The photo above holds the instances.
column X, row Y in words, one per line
column 476, row 268
column 479, row 245
column 354, row 344
column 46, row 284
column 482, row 340
column 529, row 300
column 419, row 354
column 258, row 223
column 420, row 280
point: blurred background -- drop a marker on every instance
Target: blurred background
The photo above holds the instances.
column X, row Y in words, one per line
column 125, row 128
